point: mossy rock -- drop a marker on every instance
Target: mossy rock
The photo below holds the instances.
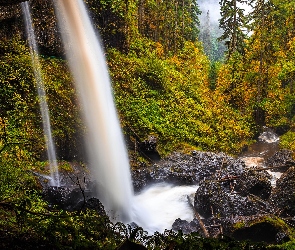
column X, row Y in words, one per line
column 268, row 229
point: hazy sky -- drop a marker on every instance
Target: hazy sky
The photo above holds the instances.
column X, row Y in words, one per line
column 214, row 9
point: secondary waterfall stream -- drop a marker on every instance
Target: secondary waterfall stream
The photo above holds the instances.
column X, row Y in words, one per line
column 55, row 181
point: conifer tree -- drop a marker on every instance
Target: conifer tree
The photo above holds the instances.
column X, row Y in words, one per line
column 169, row 22
column 232, row 22
column 205, row 36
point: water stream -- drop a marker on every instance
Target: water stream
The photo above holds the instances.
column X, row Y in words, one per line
column 266, row 146
column 54, row 181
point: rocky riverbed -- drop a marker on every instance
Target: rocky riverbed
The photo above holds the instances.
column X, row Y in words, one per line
column 235, row 196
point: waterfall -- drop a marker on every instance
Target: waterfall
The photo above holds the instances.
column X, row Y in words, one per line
column 105, row 144
column 42, row 95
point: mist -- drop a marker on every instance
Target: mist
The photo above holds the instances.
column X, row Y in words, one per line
column 213, row 7
column 214, row 10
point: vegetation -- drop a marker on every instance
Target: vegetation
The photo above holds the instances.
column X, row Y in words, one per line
column 164, row 85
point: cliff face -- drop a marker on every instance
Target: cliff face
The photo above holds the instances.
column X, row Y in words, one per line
column 44, row 20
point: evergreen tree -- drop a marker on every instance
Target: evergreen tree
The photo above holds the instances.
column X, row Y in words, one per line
column 206, row 36
column 232, row 22
column 169, row 22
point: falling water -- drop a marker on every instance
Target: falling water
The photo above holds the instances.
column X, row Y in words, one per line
column 105, row 143
column 42, row 95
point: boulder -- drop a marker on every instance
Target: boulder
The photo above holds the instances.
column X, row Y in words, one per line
column 254, row 182
column 262, row 229
column 283, row 194
column 281, row 160
column 141, row 178
column 148, row 148
column 67, row 198
column 185, row 169
column 185, row 226
column 213, row 199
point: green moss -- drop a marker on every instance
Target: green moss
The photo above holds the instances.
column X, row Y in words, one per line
column 239, row 225
column 66, row 166
column 288, row 140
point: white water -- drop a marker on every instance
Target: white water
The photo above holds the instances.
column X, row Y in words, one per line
column 42, row 95
column 105, row 143
column 162, row 204
column 269, row 136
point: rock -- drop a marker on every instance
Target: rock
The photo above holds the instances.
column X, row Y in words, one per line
column 149, row 144
column 254, row 182
column 281, row 160
column 283, row 194
column 185, row 226
column 70, row 199
column 233, row 190
column 282, row 237
column 95, row 204
column 140, row 178
column 148, row 148
column 268, row 229
column 184, row 169
column 214, row 199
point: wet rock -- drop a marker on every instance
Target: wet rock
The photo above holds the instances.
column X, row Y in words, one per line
column 283, row 194
column 70, row 199
column 185, row 226
column 149, row 144
column 229, row 192
column 76, row 191
column 141, row 179
column 281, row 160
column 282, row 237
column 208, row 163
column 94, row 204
column 213, row 199
column 184, row 169
column 149, row 148
column 182, row 173
column 254, row 182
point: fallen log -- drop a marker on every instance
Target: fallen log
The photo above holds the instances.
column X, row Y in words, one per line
column 198, row 217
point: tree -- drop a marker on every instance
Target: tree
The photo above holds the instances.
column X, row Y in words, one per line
column 232, row 22
column 205, row 36
column 170, row 23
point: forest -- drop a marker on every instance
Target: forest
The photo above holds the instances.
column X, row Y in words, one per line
column 192, row 84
